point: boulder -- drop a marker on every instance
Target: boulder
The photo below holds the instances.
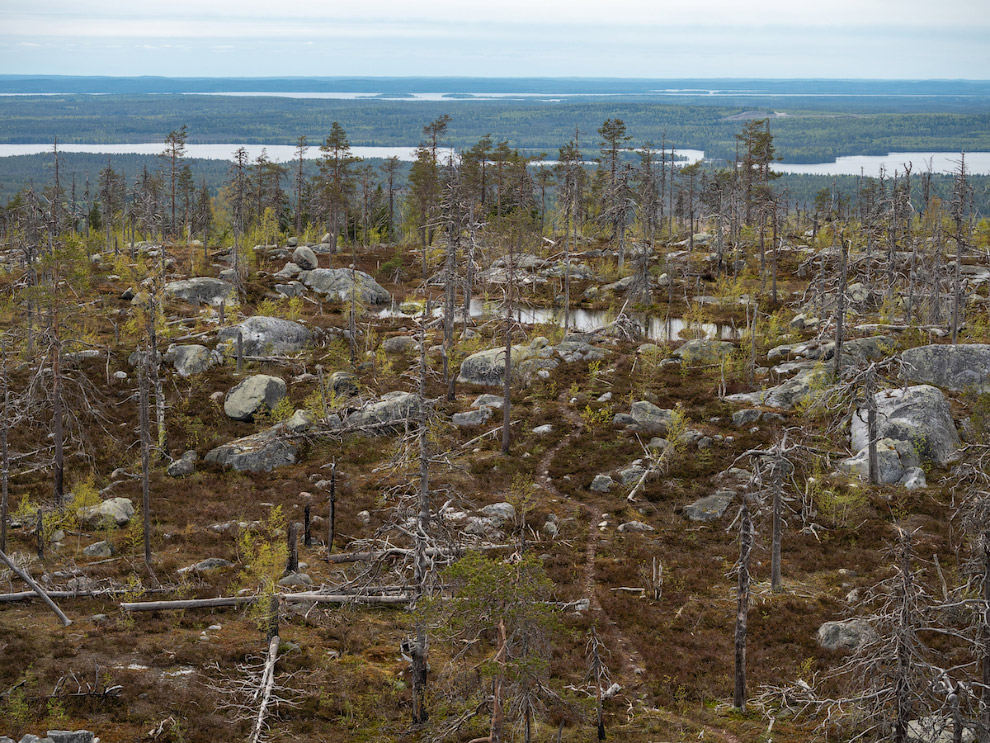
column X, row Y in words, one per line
column 297, row 580
column 935, row 729
column 488, row 401
column 956, row 368
column 631, row 475
column 189, row 359
column 116, row 511
column 400, row 344
column 183, row 466
column 488, row 367
column 637, row 526
column 267, row 335
column 71, row 736
column 256, row 393
column 259, row 452
column 914, row 479
column 338, row 283
column 650, row 419
column 210, row 563
column 292, row 289
column 343, row 384
column 703, row 350
column 850, row 634
column 890, row 465
column 916, row 415
column 393, row 410
column 202, row 290
column 545, row 430
column 500, row 513
column 305, row 258
column 472, row 418
column 745, row 417
column 709, row 508
column 99, row 549
column 602, row 483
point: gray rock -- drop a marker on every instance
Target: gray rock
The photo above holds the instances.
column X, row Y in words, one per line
column 935, row 729
column 292, row 242
column 296, row 579
column 602, row 483
column 703, row 350
column 846, row 635
column 488, row 367
column 301, row 421
column 202, row 290
column 343, row 384
column 292, row 289
column 914, row 479
column 267, row 335
column 338, row 283
column 745, row 417
column 259, row 452
column 256, row 393
column 630, row 475
column 210, row 563
column 117, row 511
column 890, row 468
column 917, row 415
column 649, row 418
column 392, row 411
column 543, row 430
column 500, row 513
column 956, row 368
column 400, row 344
column 183, row 466
column 305, row 258
column 488, row 401
column 709, row 508
column 99, row 549
column 471, row 418
column 189, row 359
column 289, row 271
column 635, row 526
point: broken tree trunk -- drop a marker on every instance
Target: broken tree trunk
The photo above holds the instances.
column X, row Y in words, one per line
column 265, row 690
column 36, row 588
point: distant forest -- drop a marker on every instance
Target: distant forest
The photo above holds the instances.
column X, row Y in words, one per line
column 813, row 130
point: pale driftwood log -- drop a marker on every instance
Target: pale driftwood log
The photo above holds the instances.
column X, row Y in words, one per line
column 187, row 603
column 36, row 588
column 316, row 598
column 94, row 594
column 265, row 690
column 403, row 552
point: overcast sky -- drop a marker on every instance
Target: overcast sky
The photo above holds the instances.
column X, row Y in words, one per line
column 506, row 38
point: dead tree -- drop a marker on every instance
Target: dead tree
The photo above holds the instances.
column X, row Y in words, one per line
column 145, row 435
column 23, row 575
column 742, row 606
column 598, row 674
column 5, row 418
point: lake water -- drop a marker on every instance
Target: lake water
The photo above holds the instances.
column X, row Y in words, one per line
column 977, row 163
column 583, row 321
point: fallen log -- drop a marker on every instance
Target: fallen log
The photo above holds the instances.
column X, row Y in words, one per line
column 316, row 598
column 36, row 588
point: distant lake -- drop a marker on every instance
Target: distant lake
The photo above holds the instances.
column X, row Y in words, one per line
column 977, row 163
column 277, row 152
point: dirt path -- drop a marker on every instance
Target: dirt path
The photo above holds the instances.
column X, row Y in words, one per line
column 630, row 658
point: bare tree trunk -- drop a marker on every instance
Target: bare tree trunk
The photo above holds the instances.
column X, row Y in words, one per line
column 4, row 452
column 292, row 559
column 902, row 681
column 423, row 564
column 331, row 526
column 265, row 691
column 742, row 607
column 156, row 383
column 778, row 507
column 985, row 645
column 145, row 435
column 507, row 380
column 840, row 306
column 871, row 426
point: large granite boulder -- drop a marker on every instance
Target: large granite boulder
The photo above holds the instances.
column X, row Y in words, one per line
column 532, row 360
column 951, row 367
column 650, row 419
column 488, row 367
column 916, row 415
column 392, row 411
column 202, row 290
column 703, row 351
column 115, row 511
column 848, row 635
column 305, row 258
column 338, row 282
column 267, row 335
column 254, row 394
column 265, row 450
column 190, row 359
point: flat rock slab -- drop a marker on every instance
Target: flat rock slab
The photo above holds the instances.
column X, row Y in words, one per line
column 955, row 368
column 709, row 508
column 202, row 290
column 259, row 452
column 267, row 335
column 339, row 283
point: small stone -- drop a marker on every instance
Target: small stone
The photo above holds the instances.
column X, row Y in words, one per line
column 99, row 549
column 183, row 466
column 364, row 517
column 635, row 526
column 914, row 479
column 296, row 579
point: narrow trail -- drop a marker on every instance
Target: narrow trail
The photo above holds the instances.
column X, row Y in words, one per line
column 631, row 660
column 632, row 664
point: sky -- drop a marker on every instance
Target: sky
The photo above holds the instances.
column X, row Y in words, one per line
column 508, row 38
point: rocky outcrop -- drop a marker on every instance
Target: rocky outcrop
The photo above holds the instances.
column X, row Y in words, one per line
column 393, row 410
column 257, row 392
column 267, row 335
column 955, row 368
column 917, row 416
column 528, row 361
column 265, row 450
column 202, row 290
column 338, row 283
